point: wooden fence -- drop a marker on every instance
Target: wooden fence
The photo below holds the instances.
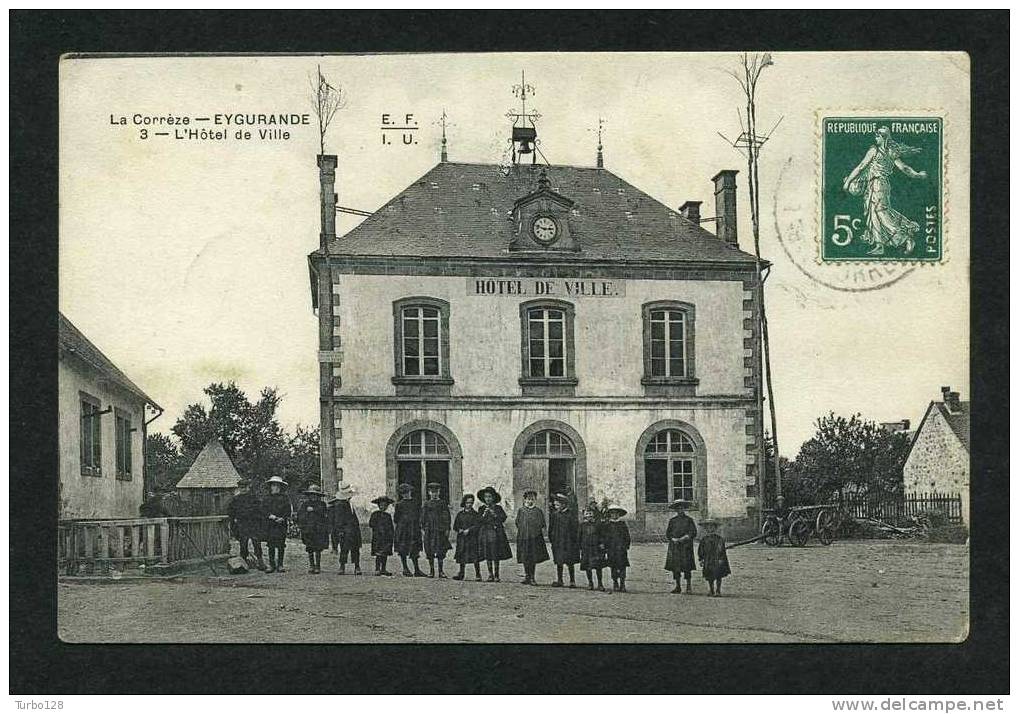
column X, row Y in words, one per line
column 901, row 509
column 98, row 546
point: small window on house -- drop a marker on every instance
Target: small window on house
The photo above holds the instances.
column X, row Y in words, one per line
column 123, row 444
column 90, row 436
column 421, row 339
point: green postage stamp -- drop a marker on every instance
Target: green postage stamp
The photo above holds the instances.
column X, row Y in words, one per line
column 881, row 188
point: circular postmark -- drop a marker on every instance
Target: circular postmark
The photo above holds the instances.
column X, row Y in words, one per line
column 797, row 234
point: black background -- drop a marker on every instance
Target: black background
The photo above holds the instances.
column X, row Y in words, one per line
column 40, row 663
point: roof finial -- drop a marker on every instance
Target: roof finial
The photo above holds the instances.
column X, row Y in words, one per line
column 443, row 157
column 601, row 158
column 543, row 182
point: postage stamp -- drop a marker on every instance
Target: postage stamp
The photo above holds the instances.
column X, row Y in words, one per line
column 881, row 189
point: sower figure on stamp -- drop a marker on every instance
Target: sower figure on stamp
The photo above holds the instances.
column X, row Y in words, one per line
column 494, row 543
column 531, row 548
column 564, row 536
column 435, row 525
column 680, row 533
column 592, row 548
column 313, row 521
column 347, row 529
column 248, row 521
column 714, row 560
column 278, row 514
column 407, row 518
column 383, row 533
column 617, row 546
column 467, row 525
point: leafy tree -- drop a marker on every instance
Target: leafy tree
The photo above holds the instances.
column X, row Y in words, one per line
column 303, row 467
column 164, row 464
column 847, row 456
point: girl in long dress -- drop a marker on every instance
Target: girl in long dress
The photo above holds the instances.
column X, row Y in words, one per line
column 467, row 525
column 492, row 538
column 872, row 179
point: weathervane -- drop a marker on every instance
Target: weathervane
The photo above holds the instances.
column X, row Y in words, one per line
column 444, row 124
column 601, row 159
column 524, row 132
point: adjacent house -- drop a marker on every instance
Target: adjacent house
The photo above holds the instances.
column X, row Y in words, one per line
column 938, row 460
column 209, row 484
column 103, row 417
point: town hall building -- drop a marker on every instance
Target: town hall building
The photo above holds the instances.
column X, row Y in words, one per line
column 541, row 326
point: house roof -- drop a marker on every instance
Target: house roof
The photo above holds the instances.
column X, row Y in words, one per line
column 957, row 422
column 73, row 341
column 462, row 210
column 211, row 469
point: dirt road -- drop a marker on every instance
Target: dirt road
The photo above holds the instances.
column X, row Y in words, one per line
column 873, row 591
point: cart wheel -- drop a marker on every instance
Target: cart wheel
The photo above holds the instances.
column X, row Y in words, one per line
column 826, row 535
column 799, row 531
column 825, row 522
column 771, row 530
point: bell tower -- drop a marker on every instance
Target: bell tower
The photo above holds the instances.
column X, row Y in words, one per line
column 525, row 133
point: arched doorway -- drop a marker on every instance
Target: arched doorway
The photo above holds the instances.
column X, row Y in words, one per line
column 424, row 452
column 549, row 457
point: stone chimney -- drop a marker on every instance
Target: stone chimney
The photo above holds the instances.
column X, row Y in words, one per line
column 725, row 206
column 691, row 211
column 951, row 399
column 327, row 181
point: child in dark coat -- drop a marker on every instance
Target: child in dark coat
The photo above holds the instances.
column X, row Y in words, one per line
column 381, row 524
column 680, row 532
column 531, row 548
column 407, row 518
column 617, row 546
column 714, row 561
column 435, row 524
column 592, row 548
column 313, row 521
column 492, row 537
column 564, row 536
column 278, row 513
column 343, row 522
column 467, row 525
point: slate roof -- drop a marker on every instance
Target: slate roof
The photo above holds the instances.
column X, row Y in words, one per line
column 461, row 210
column 958, row 421
column 73, row 341
column 211, row 469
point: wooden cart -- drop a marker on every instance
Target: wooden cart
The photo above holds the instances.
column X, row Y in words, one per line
column 799, row 523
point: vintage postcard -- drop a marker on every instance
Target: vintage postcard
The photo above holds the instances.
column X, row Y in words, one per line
column 514, row 348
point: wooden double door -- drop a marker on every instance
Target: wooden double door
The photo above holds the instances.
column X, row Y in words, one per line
column 421, row 472
column 546, row 476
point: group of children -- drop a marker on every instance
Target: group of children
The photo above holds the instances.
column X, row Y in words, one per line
column 595, row 540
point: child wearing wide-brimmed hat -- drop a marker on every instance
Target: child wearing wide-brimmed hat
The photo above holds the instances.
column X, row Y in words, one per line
column 407, row 517
column 492, row 537
column 714, row 560
column 680, row 534
column 467, row 525
column 381, row 524
column 564, row 536
column 531, row 548
column 346, row 528
column 279, row 512
column 314, row 523
column 617, row 546
column 592, row 548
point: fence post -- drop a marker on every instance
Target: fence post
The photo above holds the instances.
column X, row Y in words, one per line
column 164, row 530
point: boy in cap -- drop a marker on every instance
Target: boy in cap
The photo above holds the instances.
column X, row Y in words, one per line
column 564, row 536
column 492, row 538
column 714, row 560
column 347, row 529
column 531, row 548
column 407, row 518
column 247, row 521
column 617, row 546
column 381, row 524
column 435, row 525
column 278, row 513
column 680, row 533
column 313, row 521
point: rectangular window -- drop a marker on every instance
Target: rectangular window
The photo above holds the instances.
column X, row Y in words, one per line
column 682, row 479
column 123, row 445
column 668, row 343
column 90, row 436
column 422, row 352
column 546, row 342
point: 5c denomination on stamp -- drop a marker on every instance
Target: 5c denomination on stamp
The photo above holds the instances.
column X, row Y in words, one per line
column 881, row 189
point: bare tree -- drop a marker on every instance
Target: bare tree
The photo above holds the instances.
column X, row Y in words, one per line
column 326, row 100
column 750, row 142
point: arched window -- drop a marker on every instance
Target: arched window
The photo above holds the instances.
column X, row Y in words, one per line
column 423, row 457
column 548, row 444
column 669, row 347
column 670, row 468
column 421, row 345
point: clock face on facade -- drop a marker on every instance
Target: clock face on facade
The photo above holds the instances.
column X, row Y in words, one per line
column 545, row 230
